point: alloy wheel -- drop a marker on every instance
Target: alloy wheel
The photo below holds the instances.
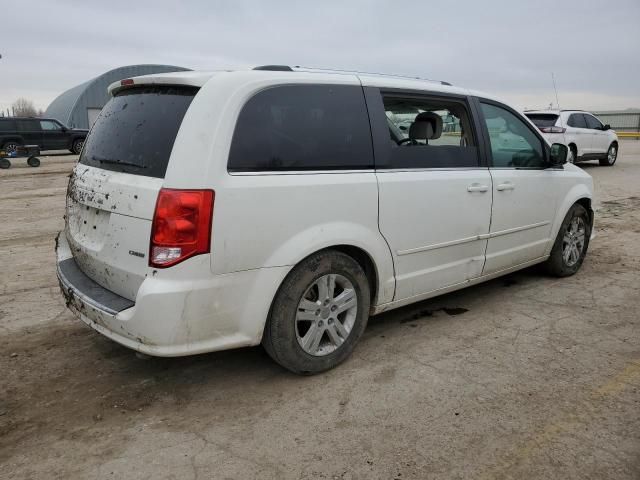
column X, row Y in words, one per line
column 573, row 241
column 10, row 147
column 326, row 314
column 77, row 147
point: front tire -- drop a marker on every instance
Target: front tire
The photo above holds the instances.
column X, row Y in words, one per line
column 77, row 146
column 571, row 244
column 612, row 156
column 318, row 314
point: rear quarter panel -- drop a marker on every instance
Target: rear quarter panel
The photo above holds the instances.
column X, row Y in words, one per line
column 273, row 220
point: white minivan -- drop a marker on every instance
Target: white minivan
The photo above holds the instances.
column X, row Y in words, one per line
column 285, row 206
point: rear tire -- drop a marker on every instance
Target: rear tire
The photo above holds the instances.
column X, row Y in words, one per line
column 33, row 161
column 318, row 314
column 5, row 163
column 11, row 147
column 571, row 244
column 573, row 154
column 612, row 156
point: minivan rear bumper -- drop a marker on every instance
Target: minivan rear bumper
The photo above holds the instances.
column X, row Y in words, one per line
column 184, row 312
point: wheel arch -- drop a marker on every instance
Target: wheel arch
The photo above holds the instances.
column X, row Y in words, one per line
column 586, row 203
column 579, row 194
column 363, row 257
column 573, row 147
column 365, row 261
column 364, row 244
column 12, row 138
column 360, row 255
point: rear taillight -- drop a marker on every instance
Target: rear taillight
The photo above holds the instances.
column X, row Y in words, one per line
column 552, row 129
column 181, row 226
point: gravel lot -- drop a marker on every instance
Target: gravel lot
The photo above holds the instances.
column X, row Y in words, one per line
column 523, row 377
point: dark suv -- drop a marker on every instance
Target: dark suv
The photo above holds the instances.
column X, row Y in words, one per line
column 47, row 133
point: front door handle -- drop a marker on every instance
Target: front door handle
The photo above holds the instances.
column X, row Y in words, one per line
column 505, row 186
column 476, row 187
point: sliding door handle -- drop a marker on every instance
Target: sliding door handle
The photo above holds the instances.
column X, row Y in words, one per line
column 476, row 187
column 505, row 186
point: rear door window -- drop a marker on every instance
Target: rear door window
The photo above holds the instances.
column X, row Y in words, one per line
column 136, row 130
column 303, row 127
column 577, row 120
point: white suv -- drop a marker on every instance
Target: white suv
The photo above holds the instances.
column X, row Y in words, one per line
column 585, row 135
column 218, row 210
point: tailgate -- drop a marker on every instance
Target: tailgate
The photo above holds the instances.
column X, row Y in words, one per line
column 113, row 190
column 109, row 226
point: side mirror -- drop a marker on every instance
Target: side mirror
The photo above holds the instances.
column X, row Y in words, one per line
column 606, row 127
column 64, row 129
column 558, row 155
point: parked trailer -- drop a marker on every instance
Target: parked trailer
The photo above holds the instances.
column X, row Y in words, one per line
column 29, row 152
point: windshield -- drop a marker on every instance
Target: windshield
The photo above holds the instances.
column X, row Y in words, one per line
column 135, row 131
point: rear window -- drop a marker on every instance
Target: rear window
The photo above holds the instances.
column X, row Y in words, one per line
column 542, row 120
column 303, row 127
column 135, row 131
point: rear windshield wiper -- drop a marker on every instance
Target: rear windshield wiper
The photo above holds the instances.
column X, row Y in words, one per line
column 116, row 162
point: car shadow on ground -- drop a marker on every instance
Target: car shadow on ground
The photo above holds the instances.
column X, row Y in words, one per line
column 56, row 153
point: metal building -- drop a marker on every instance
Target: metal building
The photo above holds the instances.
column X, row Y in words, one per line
column 79, row 106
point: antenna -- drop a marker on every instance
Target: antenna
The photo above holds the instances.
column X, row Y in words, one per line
column 553, row 79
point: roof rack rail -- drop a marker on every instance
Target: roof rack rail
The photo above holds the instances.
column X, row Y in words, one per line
column 334, row 70
column 274, row 68
column 287, row 68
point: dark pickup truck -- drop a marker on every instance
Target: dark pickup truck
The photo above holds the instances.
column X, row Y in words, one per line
column 47, row 133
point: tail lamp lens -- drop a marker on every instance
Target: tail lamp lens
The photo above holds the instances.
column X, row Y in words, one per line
column 552, row 129
column 181, row 226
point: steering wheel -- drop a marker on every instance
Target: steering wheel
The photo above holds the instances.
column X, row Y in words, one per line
column 406, row 140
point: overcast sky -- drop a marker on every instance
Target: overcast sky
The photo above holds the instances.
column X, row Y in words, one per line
column 503, row 47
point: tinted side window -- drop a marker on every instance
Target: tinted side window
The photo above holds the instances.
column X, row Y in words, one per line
column 303, row 127
column 576, row 120
column 28, row 126
column 7, row 126
column 513, row 144
column 593, row 122
column 429, row 132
